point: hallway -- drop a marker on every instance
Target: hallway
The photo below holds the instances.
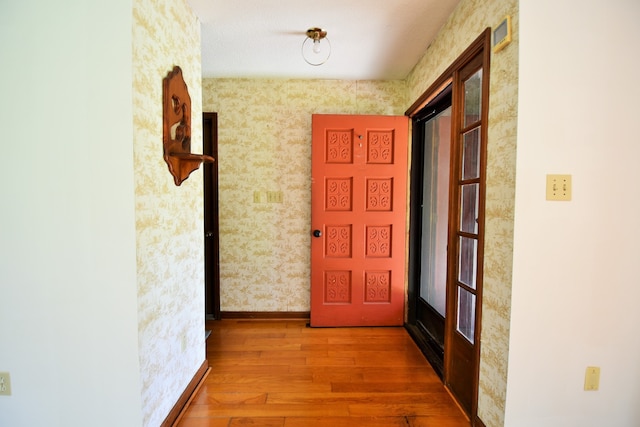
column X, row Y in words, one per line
column 280, row 373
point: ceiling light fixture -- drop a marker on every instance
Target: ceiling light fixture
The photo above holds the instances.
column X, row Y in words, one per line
column 316, row 48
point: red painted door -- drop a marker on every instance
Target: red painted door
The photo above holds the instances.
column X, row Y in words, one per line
column 358, row 220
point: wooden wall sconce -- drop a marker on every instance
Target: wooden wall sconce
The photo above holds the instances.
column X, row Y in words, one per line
column 176, row 128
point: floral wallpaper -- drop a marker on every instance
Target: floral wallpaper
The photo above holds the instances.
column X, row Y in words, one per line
column 169, row 219
column 466, row 23
column 265, row 147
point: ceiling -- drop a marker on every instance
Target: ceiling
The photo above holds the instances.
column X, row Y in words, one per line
column 370, row 39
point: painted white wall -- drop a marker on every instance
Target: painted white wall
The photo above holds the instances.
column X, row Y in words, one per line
column 68, row 313
column 575, row 283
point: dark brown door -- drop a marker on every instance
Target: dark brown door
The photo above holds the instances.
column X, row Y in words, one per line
column 358, row 216
column 466, row 232
column 211, row 232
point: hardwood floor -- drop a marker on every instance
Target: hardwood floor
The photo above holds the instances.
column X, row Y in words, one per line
column 280, row 373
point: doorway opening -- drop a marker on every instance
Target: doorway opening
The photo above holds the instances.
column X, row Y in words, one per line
column 447, row 221
column 211, row 226
column 430, row 209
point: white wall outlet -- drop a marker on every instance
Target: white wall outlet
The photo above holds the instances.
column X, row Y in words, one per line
column 5, row 384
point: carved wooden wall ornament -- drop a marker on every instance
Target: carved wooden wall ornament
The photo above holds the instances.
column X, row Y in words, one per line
column 176, row 128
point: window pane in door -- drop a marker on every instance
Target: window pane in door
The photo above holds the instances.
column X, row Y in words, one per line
column 466, row 324
column 471, row 154
column 473, row 98
column 467, row 265
column 469, row 208
column 435, row 205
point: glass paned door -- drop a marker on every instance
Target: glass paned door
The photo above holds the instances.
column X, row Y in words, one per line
column 464, row 297
column 467, row 229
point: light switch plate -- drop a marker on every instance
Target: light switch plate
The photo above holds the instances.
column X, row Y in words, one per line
column 274, row 196
column 5, row 384
column 559, row 187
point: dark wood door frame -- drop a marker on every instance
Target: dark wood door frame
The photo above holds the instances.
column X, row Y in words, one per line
column 419, row 312
column 480, row 47
column 211, row 225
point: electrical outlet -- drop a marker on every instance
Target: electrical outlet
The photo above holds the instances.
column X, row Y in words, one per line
column 592, row 378
column 5, row 384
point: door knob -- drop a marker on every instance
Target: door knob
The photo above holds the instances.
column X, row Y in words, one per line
column 317, row 233
column 208, row 234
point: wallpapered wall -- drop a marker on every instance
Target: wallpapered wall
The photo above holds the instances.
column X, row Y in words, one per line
column 265, row 146
column 465, row 25
column 168, row 218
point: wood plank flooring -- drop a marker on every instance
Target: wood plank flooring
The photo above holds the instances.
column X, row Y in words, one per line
column 281, row 373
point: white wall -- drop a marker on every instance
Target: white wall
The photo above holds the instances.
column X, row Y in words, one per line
column 575, row 283
column 68, row 313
